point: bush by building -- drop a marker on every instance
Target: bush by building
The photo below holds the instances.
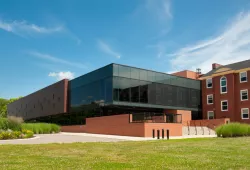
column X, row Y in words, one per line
column 233, row 130
column 14, row 128
column 41, row 128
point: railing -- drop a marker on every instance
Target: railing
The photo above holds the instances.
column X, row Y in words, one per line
column 199, row 127
column 155, row 118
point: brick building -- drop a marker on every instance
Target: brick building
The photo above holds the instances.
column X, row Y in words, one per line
column 225, row 92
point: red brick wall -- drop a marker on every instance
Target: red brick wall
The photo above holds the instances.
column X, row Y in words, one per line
column 233, row 96
column 187, row 74
column 186, row 114
column 119, row 125
column 212, row 123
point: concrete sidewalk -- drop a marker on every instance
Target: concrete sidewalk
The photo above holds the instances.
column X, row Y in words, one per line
column 85, row 137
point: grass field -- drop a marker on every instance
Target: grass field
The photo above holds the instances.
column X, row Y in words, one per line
column 216, row 153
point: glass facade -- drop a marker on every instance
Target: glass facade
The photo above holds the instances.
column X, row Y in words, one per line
column 95, row 86
column 128, row 86
column 138, row 86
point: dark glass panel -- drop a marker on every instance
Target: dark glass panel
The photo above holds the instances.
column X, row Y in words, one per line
column 134, row 84
column 116, row 70
column 151, row 76
column 144, row 91
column 143, row 75
column 122, row 87
column 135, row 73
column 124, row 71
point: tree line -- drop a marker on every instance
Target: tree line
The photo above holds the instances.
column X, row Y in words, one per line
column 3, row 105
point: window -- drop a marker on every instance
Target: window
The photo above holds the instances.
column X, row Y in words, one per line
column 209, row 83
column 210, row 115
column 244, row 113
column 224, row 105
column 243, row 77
column 244, row 95
column 210, row 99
column 223, row 85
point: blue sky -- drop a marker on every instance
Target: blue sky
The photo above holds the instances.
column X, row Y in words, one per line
column 44, row 41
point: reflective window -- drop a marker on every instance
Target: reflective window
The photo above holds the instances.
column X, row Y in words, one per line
column 135, row 73
column 124, row 71
column 244, row 113
column 151, row 76
column 209, row 83
column 224, row 105
column 143, row 75
column 135, row 90
column 243, row 77
column 116, row 70
column 223, row 85
column 210, row 99
column 210, row 115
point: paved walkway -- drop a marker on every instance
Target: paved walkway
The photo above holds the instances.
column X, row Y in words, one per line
column 82, row 137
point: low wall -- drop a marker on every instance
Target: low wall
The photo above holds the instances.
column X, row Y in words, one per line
column 211, row 123
column 114, row 125
column 120, row 125
column 175, row 129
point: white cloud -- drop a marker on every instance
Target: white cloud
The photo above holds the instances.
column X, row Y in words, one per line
column 23, row 28
column 62, row 75
column 232, row 45
column 107, row 49
column 56, row 60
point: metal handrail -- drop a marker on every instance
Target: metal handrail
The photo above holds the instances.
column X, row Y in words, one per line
column 202, row 129
column 195, row 128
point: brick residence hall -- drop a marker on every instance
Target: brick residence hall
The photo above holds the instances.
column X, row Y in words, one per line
column 123, row 100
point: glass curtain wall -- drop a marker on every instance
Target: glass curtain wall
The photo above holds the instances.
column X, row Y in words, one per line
column 149, row 87
column 95, row 86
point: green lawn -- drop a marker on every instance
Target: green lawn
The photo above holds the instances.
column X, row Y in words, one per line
column 216, row 153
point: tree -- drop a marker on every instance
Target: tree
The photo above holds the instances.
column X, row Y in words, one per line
column 3, row 105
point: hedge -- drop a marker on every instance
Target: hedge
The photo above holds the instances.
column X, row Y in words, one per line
column 41, row 128
column 233, row 130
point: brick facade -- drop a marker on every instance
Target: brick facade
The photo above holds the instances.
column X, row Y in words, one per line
column 234, row 86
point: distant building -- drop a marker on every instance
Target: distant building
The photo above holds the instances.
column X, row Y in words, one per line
column 225, row 92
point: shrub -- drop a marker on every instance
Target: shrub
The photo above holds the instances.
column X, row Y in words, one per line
column 233, row 130
column 13, row 123
column 4, row 123
column 9, row 135
column 27, row 133
column 41, row 128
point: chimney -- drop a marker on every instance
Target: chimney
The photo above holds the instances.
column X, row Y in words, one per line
column 215, row 65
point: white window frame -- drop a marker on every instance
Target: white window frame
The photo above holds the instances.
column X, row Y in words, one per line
column 222, row 107
column 212, row 99
column 241, row 76
column 207, row 83
column 208, row 114
column 242, row 113
column 223, row 86
column 241, row 94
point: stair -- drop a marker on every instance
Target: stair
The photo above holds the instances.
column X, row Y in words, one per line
column 198, row 130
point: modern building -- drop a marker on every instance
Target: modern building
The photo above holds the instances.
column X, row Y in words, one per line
column 122, row 100
column 112, row 93
column 225, row 92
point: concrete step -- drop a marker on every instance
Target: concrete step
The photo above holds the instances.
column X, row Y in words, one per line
column 198, row 130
